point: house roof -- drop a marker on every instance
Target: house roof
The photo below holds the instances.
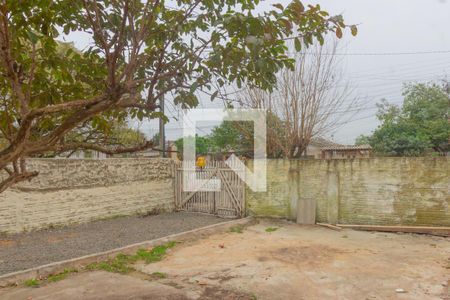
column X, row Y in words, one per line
column 348, row 147
column 322, row 142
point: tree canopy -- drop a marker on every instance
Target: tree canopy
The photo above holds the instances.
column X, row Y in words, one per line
column 139, row 51
column 202, row 145
column 420, row 126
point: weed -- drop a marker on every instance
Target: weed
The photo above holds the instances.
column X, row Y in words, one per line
column 121, row 263
column 62, row 275
column 155, row 211
column 156, row 254
column 344, row 236
column 271, row 229
column 159, row 275
column 236, row 229
column 32, row 282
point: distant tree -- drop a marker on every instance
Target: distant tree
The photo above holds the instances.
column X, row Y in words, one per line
column 238, row 136
column 232, row 136
column 362, row 140
column 202, row 144
column 155, row 139
column 420, row 126
column 305, row 101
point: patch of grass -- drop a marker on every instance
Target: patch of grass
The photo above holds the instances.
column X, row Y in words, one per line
column 236, row 229
column 62, row 275
column 344, row 236
column 156, row 254
column 271, row 229
column 121, row 263
column 32, row 282
column 159, row 275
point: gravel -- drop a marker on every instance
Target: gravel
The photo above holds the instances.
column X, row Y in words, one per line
column 27, row 250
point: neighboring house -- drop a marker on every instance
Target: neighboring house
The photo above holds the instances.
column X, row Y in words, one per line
column 314, row 149
column 346, row 151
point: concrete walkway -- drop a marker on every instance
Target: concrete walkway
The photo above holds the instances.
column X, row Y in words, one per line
column 24, row 251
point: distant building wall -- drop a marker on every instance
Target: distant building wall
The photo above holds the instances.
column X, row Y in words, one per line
column 79, row 190
column 378, row 191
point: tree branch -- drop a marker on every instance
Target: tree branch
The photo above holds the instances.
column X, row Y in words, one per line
column 102, row 149
column 15, row 178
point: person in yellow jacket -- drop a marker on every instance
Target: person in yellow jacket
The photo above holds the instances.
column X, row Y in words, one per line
column 201, row 162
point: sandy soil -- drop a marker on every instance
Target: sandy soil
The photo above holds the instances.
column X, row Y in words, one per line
column 292, row 262
column 297, row 262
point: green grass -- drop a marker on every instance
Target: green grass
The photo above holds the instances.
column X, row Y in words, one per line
column 271, row 229
column 32, row 282
column 62, row 275
column 159, row 275
column 237, row 229
column 122, row 263
column 119, row 264
column 156, row 254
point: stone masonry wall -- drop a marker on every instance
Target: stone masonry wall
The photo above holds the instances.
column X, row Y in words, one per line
column 377, row 191
column 75, row 191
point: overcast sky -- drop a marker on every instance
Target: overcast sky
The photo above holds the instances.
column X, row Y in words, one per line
column 374, row 65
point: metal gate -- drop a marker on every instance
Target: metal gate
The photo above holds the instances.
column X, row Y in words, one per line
column 229, row 202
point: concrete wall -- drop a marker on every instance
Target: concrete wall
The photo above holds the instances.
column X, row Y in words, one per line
column 74, row 191
column 378, row 191
column 280, row 200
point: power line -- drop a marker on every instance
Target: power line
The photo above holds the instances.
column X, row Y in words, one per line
column 374, row 53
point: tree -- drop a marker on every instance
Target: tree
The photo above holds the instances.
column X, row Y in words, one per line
column 309, row 99
column 362, row 140
column 421, row 125
column 238, row 136
column 232, row 136
column 202, row 144
column 140, row 51
column 118, row 135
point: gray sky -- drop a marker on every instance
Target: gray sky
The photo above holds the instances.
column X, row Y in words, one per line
column 373, row 65
column 391, row 26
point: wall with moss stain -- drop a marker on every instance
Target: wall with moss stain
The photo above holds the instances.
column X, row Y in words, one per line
column 278, row 201
column 378, row 191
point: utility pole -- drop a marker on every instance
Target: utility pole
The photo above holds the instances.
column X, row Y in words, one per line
column 162, row 137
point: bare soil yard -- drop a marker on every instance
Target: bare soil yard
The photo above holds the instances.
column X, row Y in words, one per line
column 274, row 260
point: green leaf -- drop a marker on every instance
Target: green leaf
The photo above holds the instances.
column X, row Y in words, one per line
column 298, row 44
column 32, row 36
column 354, row 30
column 286, row 23
column 214, row 95
column 279, row 6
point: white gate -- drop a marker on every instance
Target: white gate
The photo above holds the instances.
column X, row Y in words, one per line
column 229, row 202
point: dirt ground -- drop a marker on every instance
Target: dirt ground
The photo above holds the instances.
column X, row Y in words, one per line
column 287, row 261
